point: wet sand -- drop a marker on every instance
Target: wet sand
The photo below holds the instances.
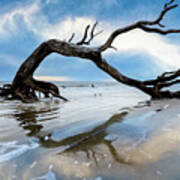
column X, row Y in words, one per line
column 115, row 134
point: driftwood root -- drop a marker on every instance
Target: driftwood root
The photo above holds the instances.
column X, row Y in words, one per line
column 31, row 89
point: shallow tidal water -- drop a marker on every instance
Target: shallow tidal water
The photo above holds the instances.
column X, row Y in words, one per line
column 104, row 132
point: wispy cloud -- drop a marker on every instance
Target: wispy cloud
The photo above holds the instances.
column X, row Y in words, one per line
column 135, row 42
column 156, row 46
column 8, row 24
column 64, row 29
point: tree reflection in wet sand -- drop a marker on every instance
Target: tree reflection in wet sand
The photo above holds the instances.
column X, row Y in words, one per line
column 85, row 142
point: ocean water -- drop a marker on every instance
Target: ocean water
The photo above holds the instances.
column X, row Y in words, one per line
column 96, row 135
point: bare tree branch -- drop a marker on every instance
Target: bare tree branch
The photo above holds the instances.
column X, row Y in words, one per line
column 84, row 37
column 163, row 78
column 92, row 31
column 93, row 34
column 159, row 31
column 71, row 38
column 161, row 16
column 167, row 4
column 144, row 25
column 168, row 84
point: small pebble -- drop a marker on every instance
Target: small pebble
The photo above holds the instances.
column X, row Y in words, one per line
column 159, row 109
column 109, row 165
column 76, row 162
column 13, row 177
column 105, row 155
column 99, row 178
column 46, row 138
column 88, row 164
column 51, row 167
column 14, row 165
column 166, row 106
column 33, row 164
column 159, row 173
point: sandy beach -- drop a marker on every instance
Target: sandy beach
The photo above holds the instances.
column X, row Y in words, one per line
column 104, row 132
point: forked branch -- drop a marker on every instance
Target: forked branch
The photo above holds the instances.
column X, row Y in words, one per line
column 92, row 35
column 144, row 25
column 83, row 41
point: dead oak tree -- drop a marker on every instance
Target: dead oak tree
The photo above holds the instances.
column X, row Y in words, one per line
column 24, row 85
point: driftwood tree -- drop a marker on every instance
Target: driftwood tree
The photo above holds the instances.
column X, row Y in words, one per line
column 24, row 85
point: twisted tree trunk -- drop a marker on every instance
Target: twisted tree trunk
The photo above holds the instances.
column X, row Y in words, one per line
column 24, row 85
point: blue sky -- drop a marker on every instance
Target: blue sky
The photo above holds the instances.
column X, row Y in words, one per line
column 26, row 23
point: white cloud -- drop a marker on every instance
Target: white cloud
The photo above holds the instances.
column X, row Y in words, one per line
column 154, row 45
column 64, row 29
column 135, row 41
column 7, row 23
